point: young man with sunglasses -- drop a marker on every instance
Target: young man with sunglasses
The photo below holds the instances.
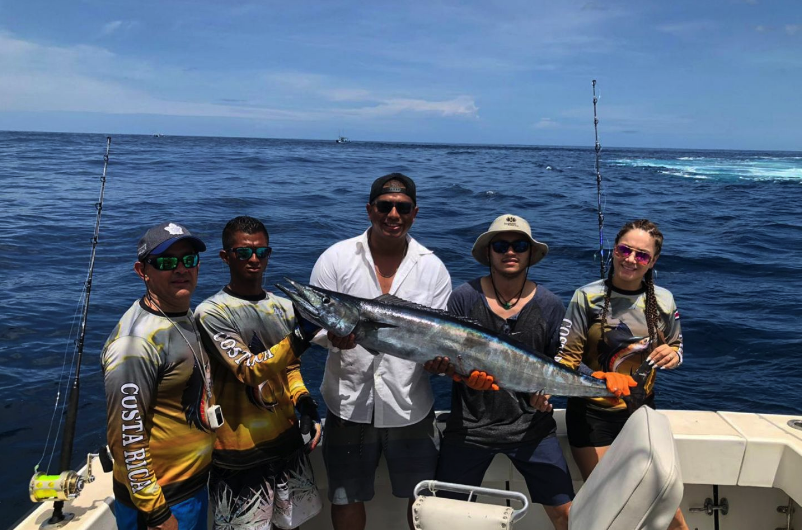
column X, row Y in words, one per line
column 376, row 403
column 255, row 341
column 483, row 424
column 159, row 392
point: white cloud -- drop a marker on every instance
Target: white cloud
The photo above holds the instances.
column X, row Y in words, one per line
column 546, row 123
column 459, row 106
column 491, row 37
column 115, row 26
column 81, row 78
column 691, row 28
column 295, row 80
column 594, row 5
column 792, row 29
column 111, row 27
column 347, row 94
column 627, row 118
column 37, row 77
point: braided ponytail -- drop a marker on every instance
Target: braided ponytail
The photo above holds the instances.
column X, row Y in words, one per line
column 652, row 313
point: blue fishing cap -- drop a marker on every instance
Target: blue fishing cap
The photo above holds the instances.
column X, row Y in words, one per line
column 159, row 238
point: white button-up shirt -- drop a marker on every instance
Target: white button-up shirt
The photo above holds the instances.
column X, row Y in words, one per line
column 357, row 385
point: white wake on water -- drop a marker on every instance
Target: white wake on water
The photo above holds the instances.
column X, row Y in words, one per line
column 752, row 169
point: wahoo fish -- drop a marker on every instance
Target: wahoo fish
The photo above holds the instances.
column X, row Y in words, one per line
column 416, row 333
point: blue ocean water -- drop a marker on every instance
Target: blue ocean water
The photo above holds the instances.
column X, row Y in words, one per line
column 732, row 254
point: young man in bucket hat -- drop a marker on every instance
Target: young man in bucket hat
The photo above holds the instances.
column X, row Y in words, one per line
column 489, row 421
column 158, row 392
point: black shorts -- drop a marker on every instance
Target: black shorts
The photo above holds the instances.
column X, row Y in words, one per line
column 541, row 462
column 592, row 427
column 351, row 452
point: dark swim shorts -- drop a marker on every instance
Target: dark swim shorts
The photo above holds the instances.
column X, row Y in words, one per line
column 351, row 452
column 592, row 427
column 541, row 463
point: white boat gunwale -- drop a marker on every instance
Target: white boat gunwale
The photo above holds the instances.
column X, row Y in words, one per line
column 754, row 459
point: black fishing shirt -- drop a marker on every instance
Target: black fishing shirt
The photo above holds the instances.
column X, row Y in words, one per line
column 503, row 418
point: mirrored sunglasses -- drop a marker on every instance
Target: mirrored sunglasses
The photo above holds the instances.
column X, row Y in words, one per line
column 245, row 253
column 169, row 263
column 641, row 256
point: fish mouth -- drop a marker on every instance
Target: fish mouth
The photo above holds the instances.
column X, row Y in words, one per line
column 306, row 299
column 323, row 308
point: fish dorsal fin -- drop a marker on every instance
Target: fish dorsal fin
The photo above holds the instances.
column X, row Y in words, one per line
column 391, row 299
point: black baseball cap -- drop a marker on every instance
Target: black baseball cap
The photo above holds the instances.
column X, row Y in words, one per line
column 379, row 188
column 159, row 238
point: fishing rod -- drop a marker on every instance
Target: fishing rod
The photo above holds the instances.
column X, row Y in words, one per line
column 602, row 259
column 68, row 484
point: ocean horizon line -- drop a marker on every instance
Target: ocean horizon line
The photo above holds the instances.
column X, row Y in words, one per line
column 404, row 142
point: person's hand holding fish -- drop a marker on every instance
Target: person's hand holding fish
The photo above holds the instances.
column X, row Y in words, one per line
column 540, row 401
column 344, row 343
column 618, row 384
column 439, row 366
column 477, row 380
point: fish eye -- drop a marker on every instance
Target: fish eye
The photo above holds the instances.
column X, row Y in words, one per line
column 326, row 300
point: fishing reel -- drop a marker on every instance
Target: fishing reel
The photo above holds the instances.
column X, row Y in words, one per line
column 67, row 485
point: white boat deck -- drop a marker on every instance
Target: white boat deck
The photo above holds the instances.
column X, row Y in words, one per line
column 754, row 460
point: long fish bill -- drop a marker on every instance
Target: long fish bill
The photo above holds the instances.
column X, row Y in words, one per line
column 298, row 297
column 311, row 297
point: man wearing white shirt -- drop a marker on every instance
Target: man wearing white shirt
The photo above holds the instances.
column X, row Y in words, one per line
column 379, row 403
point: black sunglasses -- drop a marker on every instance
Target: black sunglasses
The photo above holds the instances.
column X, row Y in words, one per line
column 245, row 253
column 169, row 263
column 501, row 246
column 403, row 208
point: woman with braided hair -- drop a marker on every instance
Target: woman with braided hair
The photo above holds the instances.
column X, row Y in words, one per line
column 613, row 326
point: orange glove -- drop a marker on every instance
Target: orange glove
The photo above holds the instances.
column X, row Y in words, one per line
column 617, row 383
column 478, row 381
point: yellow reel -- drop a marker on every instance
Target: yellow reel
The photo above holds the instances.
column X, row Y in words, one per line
column 61, row 487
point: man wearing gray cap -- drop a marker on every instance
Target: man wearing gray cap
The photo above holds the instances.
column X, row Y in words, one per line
column 484, row 420
column 379, row 404
column 159, row 401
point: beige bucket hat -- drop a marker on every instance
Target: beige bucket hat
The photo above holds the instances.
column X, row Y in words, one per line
column 508, row 223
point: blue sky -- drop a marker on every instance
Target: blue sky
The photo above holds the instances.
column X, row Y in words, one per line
column 712, row 74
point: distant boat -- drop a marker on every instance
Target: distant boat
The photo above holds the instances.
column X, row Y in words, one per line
column 342, row 140
column 158, row 135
